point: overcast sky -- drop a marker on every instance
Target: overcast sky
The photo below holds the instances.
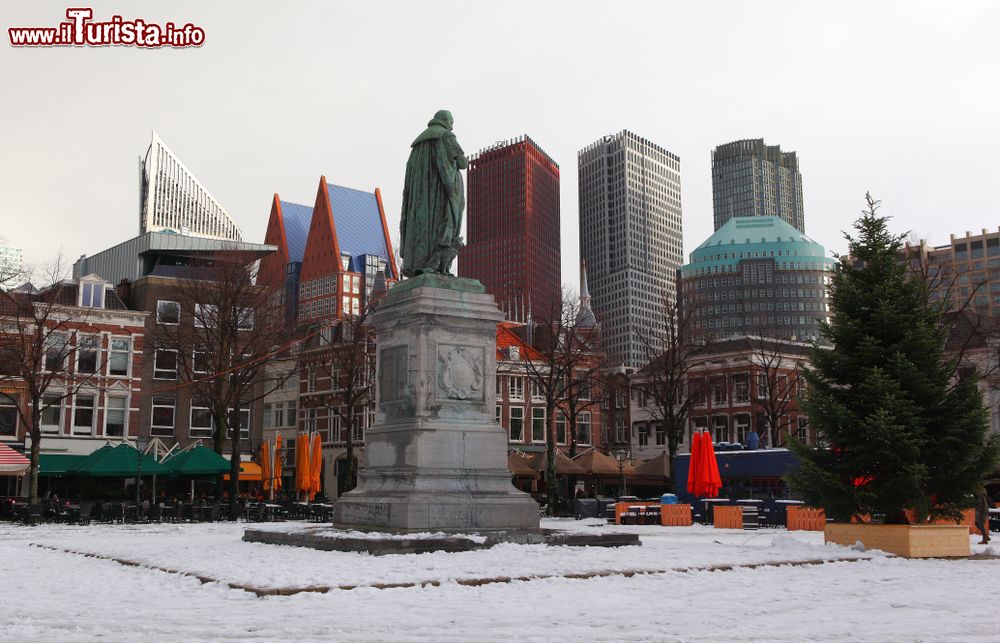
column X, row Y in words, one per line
column 898, row 98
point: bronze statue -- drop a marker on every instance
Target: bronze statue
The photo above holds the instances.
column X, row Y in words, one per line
column 433, row 200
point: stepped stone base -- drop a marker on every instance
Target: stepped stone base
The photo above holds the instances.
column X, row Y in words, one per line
column 380, row 543
column 436, row 459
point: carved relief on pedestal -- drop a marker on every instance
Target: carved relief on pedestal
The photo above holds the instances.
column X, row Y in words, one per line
column 459, row 372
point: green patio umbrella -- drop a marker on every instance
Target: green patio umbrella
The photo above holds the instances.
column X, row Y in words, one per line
column 117, row 462
column 199, row 461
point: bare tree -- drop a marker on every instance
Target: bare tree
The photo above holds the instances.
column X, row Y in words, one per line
column 776, row 365
column 346, row 358
column 35, row 349
column 228, row 328
column 671, row 352
column 559, row 366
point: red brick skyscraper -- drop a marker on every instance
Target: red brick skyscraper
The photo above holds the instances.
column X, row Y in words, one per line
column 513, row 228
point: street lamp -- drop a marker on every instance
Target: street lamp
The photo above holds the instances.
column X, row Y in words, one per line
column 621, row 453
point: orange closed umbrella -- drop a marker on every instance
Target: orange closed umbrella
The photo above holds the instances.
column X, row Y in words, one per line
column 302, row 463
column 277, row 462
column 316, row 466
column 265, row 464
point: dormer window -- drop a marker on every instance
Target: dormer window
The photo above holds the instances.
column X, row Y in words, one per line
column 91, row 293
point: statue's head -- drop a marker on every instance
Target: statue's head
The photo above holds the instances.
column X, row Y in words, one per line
column 444, row 117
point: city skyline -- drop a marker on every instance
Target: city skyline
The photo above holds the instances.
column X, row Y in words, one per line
column 70, row 164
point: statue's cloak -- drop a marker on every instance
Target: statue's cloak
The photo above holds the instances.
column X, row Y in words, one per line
column 433, row 199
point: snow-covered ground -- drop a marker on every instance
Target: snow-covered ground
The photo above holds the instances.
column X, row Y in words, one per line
column 53, row 595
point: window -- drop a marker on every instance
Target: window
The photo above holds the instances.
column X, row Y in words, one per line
column 290, row 414
column 83, row 414
column 537, row 395
column 119, row 352
column 162, row 423
column 311, row 420
column 561, row 425
column 720, row 429
column 206, row 315
column 357, row 428
column 762, row 385
column 165, row 364
column 334, row 425
column 719, row 393
column 499, row 388
column 583, row 428
column 499, row 415
column 92, row 295
column 537, row 424
column 742, row 425
column 741, row 390
column 115, row 415
column 661, row 435
column 55, row 352
column 244, row 320
column 8, row 415
column 52, row 413
column 643, row 435
column 200, row 363
column 268, row 421
column 311, row 382
column 516, row 423
column 516, row 387
column 584, row 389
column 803, row 429
column 88, row 350
column 201, row 422
column 620, row 435
column 699, row 423
column 698, row 392
column 168, row 312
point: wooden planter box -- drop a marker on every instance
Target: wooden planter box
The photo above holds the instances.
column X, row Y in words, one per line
column 728, row 517
column 805, row 519
column 910, row 541
column 675, row 515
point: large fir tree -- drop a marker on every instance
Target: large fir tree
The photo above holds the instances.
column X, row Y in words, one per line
column 898, row 428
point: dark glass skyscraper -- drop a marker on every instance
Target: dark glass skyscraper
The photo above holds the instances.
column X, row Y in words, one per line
column 750, row 179
column 513, row 228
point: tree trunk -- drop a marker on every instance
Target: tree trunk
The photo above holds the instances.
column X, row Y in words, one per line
column 36, row 447
column 234, row 461
column 551, row 483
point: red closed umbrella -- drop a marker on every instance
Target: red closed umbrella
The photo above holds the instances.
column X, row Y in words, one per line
column 712, row 477
column 694, row 464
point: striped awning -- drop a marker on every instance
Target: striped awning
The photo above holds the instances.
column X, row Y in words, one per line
column 12, row 463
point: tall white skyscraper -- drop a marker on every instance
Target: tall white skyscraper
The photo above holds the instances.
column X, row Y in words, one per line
column 172, row 198
column 11, row 265
column 630, row 237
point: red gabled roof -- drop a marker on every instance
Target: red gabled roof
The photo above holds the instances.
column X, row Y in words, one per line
column 272, row 266
column 507, row 336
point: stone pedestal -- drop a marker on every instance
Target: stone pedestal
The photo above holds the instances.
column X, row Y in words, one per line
column 436, row 459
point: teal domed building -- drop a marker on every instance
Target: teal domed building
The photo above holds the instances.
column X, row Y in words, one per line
column 756, row 276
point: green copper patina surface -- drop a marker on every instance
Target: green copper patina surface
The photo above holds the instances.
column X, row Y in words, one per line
column 448, row 282
column 433, row 200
